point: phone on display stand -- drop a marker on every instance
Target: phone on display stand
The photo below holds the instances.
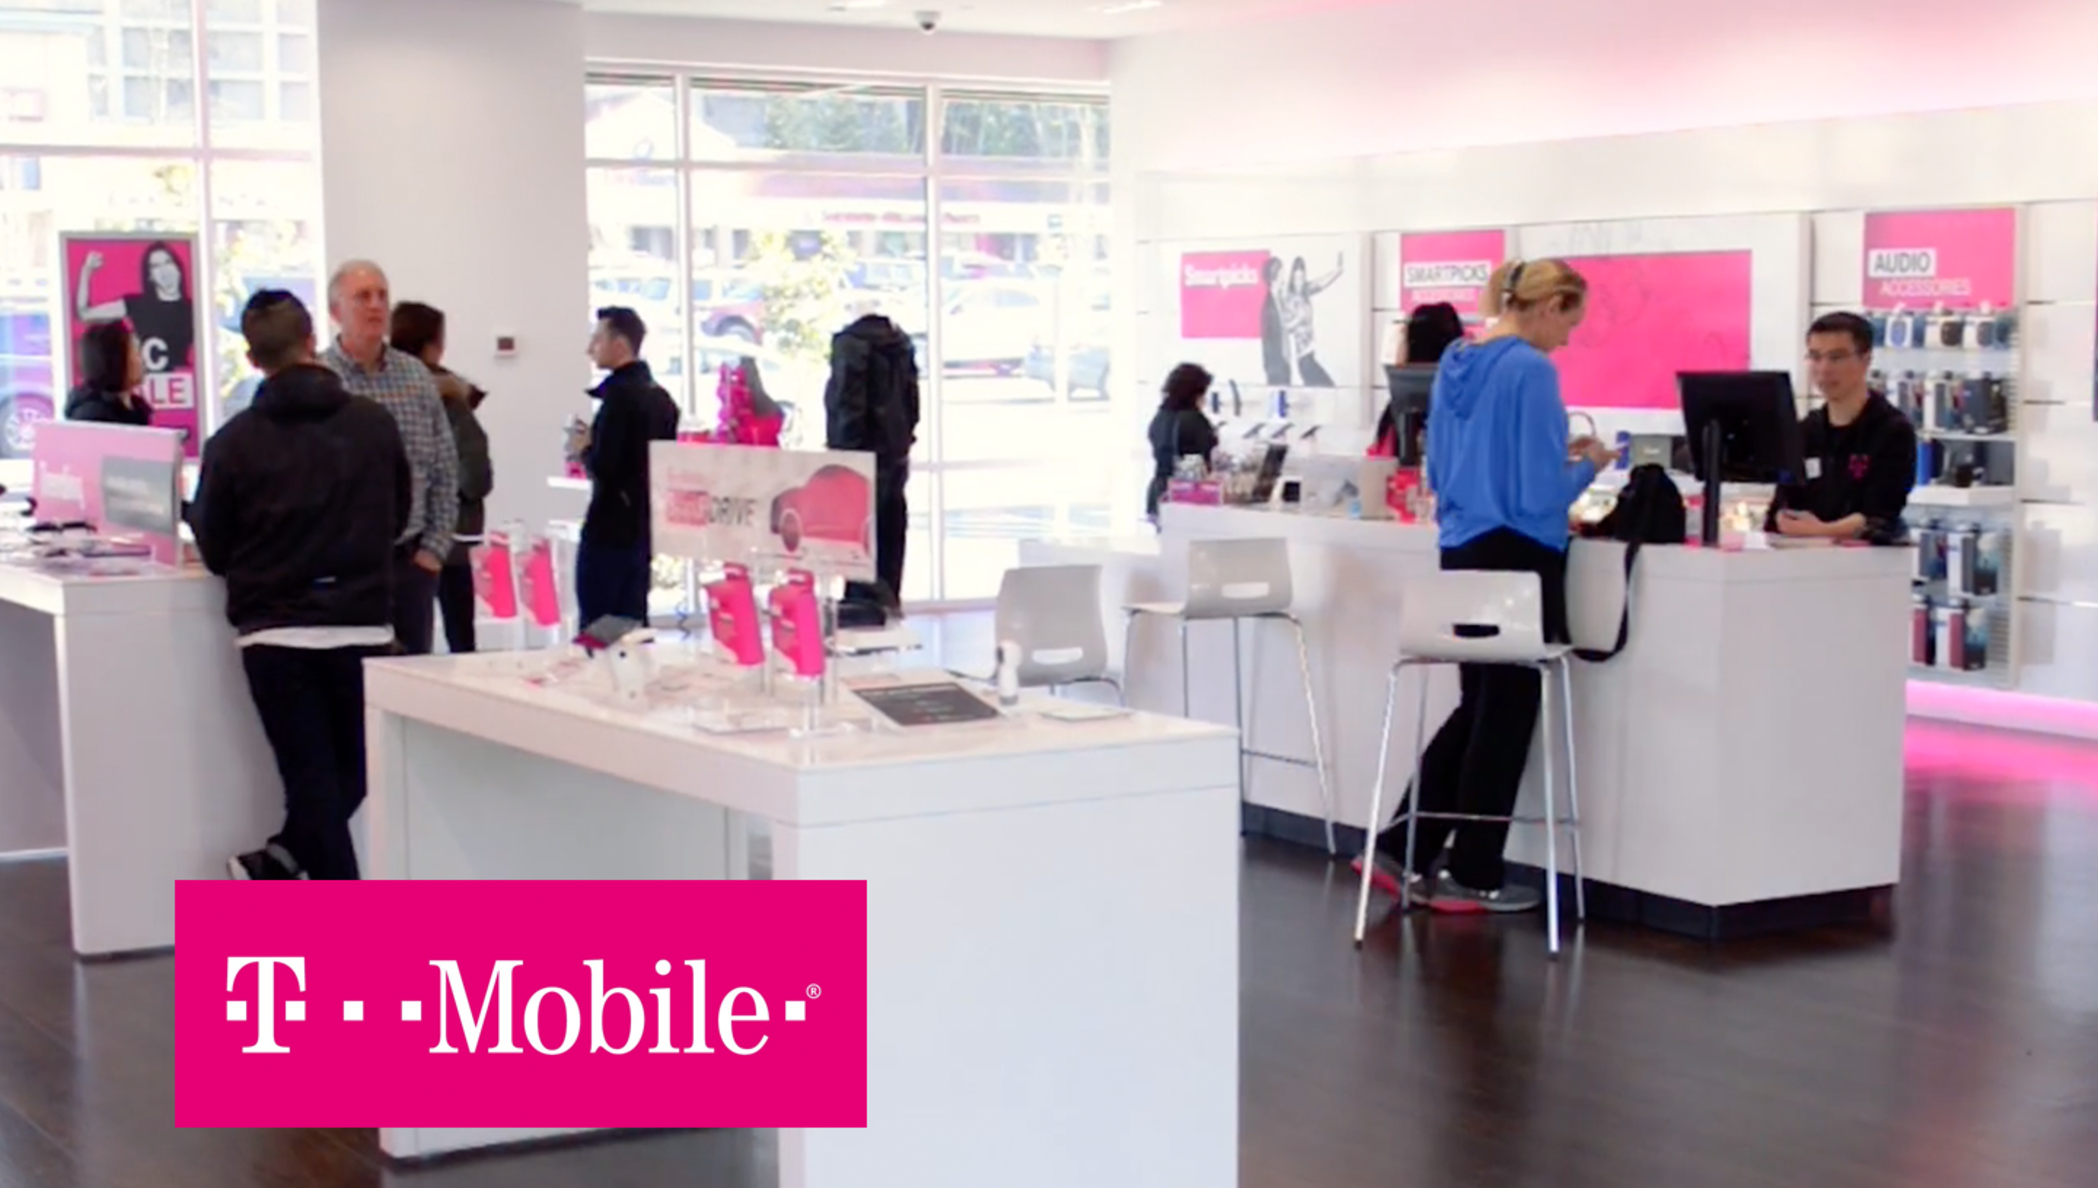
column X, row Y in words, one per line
column 606, row 631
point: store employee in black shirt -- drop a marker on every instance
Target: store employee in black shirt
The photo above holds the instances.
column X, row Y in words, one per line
column 1860, row 450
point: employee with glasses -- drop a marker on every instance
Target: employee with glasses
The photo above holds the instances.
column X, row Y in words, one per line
column 1860, row 450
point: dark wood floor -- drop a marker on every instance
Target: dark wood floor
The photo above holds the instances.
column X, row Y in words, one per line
column 1955, row 1045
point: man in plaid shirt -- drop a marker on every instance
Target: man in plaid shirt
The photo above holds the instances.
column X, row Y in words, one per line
column 362, row 306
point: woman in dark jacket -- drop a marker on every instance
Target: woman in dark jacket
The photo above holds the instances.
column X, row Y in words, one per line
column 111, row 370
column 418, row 330
column 1429, row 333
column 1179, row 429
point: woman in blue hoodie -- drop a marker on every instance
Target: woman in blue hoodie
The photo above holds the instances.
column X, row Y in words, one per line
column 1505, row 476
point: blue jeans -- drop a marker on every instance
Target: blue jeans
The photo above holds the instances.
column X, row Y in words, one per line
column 611, row 581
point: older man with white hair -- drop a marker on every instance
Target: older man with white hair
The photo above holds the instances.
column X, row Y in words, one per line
column 361, row 303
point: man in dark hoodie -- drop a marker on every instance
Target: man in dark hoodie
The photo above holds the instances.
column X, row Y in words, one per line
column 617, row 551
column 871, row 405
column 300, row 498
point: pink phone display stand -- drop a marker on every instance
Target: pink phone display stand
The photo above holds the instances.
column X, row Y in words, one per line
column 797, row 628
column 732, row 614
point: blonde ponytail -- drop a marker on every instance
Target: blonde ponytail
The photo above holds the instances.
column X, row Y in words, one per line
column 1520, row 285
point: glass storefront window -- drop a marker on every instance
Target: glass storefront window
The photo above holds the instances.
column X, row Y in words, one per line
column 807, row 204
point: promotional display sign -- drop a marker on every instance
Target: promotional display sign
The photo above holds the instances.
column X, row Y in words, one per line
column 1955, row 259
column 1283, row 315
column 1448, row 266
column 124, row 480
column 529, row 1004
column 734, row 503
column 147, row 282
column 1651, row 316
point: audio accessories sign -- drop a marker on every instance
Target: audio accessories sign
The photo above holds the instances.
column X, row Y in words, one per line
column 587, row 1005
column 1955, row 259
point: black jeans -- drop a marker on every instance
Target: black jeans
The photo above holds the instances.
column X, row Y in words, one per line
column 455, row 602
column 1475, row 764
column 311, row 701
column 892, row 518
column 611, row 580
column 414, row 603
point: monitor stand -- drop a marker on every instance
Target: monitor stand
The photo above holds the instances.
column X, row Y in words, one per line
column 1715, row 471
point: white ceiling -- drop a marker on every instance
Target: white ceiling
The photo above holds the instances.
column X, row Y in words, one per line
column 1087, row 19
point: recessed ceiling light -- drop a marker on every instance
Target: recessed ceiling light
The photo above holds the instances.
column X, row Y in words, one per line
column 1117, row 9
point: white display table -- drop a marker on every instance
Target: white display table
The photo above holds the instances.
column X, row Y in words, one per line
column 1741, row 761
column 129, row 741
column 1052, row 907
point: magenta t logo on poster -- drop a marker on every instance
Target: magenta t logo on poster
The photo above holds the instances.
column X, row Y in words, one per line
column 1222, row 294
column 593, row 1005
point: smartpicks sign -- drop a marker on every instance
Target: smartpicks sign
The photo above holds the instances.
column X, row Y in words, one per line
column 591, row 1005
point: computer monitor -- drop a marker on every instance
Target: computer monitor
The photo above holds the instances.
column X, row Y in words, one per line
column 1757, row 420
column 1411, row 388
column 1741, row 427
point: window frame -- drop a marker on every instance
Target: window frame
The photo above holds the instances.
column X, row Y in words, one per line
column 200, row 153
column 684, row 81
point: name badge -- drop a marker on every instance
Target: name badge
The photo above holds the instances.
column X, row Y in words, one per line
column 1813, row 469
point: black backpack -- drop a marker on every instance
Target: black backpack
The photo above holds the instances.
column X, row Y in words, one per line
column 1648, row 511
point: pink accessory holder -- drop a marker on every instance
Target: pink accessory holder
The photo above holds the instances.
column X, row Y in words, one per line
column 732, row 614
column 797, row 623
column 495, row 577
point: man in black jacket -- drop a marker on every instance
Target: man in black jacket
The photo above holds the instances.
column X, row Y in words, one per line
column 1860, row 450
column 618, row 548
column 871, row 405
column 300, row 498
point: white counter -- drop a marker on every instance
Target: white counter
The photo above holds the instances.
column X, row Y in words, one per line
column 129, row 741
column 1745, row 748
column 1050, row 905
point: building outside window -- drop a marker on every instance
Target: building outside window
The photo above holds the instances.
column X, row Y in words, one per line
column 101, row 130
column 753, row 217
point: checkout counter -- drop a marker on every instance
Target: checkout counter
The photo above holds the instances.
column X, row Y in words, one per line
column 1740, row 761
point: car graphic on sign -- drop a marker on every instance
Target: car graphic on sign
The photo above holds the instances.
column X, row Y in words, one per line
column 835, row 507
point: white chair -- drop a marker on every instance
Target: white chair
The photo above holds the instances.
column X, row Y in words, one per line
column 1053, row 613
column 1478, row 617
column 1242, row 580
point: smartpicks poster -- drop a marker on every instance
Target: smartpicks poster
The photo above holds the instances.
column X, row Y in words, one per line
column 1449, row 266
column 1959, row 259
column 148, row 282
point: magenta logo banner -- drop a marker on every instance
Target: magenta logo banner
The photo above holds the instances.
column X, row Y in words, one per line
column 1448, row 266
column 1961, row 259
column 1650, row 316
column 521, row 1004
column 1223, row 294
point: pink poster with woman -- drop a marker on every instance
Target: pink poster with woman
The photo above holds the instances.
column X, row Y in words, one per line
column 147, row 283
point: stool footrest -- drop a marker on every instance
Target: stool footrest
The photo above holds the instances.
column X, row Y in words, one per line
column 1561, row 823
column 1294, row 760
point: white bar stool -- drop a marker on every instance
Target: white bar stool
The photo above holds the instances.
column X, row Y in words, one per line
column 1481, row 617
column 1053, row 613
column 1241, row 580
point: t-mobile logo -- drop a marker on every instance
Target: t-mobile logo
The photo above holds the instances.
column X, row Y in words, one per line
column 266, row 999
column 732, row 1019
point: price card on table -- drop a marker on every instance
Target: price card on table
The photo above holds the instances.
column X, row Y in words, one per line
column 929, row 703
